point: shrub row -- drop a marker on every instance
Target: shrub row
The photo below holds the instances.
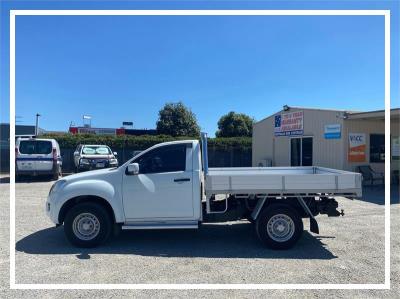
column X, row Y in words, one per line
column 142, row 142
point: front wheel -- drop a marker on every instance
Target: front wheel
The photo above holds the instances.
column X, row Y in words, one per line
column 279, row 226
column 87, row 225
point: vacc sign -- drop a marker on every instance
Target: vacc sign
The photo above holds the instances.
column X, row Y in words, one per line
column 357, row 147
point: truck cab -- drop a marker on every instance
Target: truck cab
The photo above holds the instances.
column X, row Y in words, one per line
column 158, row 188
column 163, row 184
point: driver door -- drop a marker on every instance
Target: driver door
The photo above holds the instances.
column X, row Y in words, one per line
column 163, row 188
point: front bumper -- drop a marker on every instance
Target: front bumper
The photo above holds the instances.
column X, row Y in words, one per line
column 94, row 165
column 35, row 172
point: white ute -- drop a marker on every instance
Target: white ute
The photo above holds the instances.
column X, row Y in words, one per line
column 169, row 186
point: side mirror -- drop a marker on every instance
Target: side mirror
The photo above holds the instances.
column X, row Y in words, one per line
column 132, row 169
column 76, row 153
column 115, row 154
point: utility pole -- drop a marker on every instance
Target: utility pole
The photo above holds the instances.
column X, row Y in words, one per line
column 37, row 123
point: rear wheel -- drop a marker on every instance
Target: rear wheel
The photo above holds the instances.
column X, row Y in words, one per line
column 87, row 225
column 57, row 173
column 279, row 226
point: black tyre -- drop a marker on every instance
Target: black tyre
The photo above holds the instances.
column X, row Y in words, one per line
column 279, row 226
column 87, row 225
column 57, row 173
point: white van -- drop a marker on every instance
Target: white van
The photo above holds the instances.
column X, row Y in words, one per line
column 35, row 156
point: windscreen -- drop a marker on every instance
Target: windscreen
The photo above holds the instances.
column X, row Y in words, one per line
column 31, row 147
column 96, row 150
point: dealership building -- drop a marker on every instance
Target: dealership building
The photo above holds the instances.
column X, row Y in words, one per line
column 297, row 136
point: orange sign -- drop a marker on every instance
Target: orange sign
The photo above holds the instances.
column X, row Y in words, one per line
column 357, row 147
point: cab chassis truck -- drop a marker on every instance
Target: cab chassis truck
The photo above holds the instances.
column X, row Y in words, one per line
column 170, row 186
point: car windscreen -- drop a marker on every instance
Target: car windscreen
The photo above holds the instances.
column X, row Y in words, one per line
column 96, row 150
column 31, row 147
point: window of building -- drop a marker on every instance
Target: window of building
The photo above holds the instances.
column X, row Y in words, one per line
column 377, row 148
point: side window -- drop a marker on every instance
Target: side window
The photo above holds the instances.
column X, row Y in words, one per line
column 169, row 158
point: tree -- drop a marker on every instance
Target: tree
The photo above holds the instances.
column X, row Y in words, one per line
column 235, row 125
column 176, row 119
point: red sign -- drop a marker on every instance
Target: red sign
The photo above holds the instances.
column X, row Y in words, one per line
column 96, row 131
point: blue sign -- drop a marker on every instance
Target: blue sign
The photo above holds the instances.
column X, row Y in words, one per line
column 333, row 131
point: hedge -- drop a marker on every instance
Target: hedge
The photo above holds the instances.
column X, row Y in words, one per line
column 142, row 142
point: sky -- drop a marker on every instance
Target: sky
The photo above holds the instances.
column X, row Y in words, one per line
column 125, row 68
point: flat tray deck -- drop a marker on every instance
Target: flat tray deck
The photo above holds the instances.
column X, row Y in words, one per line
column 284, row 181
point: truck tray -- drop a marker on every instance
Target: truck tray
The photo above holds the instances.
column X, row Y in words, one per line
column 283, row 181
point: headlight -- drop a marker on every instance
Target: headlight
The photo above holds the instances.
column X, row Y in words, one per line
column 57, row 186
column 84, row 161
column 113, row 161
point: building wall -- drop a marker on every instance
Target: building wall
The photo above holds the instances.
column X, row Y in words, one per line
column 326, row 152
column 262, row 141
column 362, row 126
column 369, row 127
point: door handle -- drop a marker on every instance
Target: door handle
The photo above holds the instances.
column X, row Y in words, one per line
column 182, row 180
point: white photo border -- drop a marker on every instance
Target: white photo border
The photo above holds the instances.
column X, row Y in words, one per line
column 385, row 13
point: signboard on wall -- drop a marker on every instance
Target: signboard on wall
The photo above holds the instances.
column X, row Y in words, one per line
column 89, row 130
column 289, row 124
column 332, row 131
column 357, row 147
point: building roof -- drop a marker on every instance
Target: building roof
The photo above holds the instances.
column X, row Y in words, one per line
column 323, row 109
column 377, row 114
column 301, row 108
column 19, row 130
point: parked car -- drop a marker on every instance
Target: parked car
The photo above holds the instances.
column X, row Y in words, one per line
column 89, row 157
column 34, row 156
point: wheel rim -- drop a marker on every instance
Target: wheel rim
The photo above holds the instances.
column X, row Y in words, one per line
column 280, row 227
column 86, row 226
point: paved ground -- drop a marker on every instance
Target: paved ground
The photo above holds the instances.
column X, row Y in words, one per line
column 350, row 249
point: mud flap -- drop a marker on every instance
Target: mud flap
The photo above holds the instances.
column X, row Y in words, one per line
column 313, row 223
column 314, row 226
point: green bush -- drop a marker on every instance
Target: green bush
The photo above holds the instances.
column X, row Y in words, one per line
column 141, row 142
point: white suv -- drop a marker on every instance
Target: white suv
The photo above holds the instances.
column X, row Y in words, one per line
column 35, row 156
